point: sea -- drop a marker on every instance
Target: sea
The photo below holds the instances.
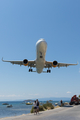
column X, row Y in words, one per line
column 18, row 108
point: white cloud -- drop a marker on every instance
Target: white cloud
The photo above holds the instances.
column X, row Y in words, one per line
column 34, row 94
column 13, row 95
column 2, row 95
column 68, row 92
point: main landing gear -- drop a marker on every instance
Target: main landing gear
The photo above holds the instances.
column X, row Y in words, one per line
column 30, row 70
column 48, row 71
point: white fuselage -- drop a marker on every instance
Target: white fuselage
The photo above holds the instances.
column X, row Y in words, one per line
column 41, row 47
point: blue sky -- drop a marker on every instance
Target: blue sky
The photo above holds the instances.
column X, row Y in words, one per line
column 22, row 24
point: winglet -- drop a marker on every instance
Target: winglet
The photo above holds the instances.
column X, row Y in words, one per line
column 2, row 59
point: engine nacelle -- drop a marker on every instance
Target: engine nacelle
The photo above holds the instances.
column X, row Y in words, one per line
column 55, row 63
column 25, row 62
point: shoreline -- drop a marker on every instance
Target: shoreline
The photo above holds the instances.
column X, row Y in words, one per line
column 67, row 112
column 14, row 117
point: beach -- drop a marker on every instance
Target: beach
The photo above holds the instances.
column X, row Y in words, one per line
column 61, row 113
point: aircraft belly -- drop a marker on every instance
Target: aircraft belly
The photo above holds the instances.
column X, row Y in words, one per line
column 40, row 55
column 39, row 66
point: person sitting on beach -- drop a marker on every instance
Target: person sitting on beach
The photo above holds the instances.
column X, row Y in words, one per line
column 37, row 103
column 35, row 107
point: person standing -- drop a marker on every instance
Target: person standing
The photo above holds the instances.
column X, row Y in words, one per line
column 61, row 103
column 37, row 103
column 35, row 107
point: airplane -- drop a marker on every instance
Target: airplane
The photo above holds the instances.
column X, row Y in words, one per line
column 40, row 62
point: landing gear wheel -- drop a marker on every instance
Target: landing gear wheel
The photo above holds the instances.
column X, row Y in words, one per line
column 48, row 71
column 30, row 70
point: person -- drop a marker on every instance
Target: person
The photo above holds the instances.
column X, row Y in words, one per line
column 35, row 107
column 61, row 103
column 37, row 103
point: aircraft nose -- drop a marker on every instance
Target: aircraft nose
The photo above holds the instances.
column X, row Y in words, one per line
column 43, row 43
column 40, row 41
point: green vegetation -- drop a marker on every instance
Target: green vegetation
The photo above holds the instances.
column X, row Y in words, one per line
column 32, row 110
column 44, row 107
column 79, row 96
column 48, row 105
column 40, row 108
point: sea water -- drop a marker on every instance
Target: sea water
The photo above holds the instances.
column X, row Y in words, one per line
column 18, row 108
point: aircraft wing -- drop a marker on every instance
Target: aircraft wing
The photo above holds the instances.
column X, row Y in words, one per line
column 50, row 64
column 65, row 64
column 30, row 63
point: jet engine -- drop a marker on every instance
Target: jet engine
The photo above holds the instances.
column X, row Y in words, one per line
column 55, row 63
column 25, row 62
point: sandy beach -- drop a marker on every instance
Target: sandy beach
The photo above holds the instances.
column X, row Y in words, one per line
column 61, row 113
